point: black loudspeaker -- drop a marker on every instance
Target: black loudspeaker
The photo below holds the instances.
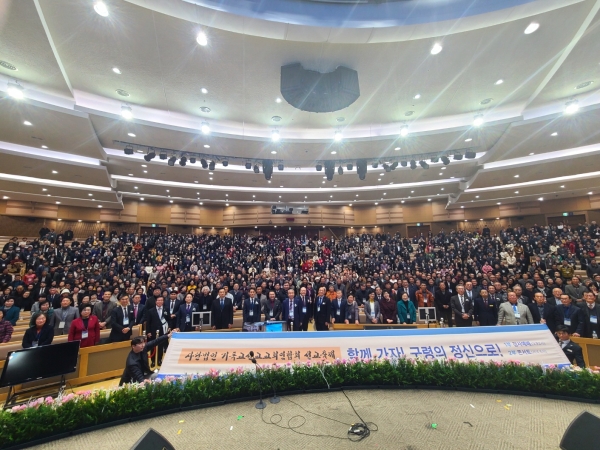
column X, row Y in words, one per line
column 152, row 440
column 309, row 90
column 582, row 433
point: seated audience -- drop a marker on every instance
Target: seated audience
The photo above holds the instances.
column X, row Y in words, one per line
column 6, row 329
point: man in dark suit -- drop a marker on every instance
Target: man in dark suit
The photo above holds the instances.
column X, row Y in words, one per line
column 591, row 315
column 139, row 310
column 272, row 307
column 571, row 315
column 338, row 308
column 137, row 369
column 462, row 308
column 172, row 306
column 222, row 311
column 571, row 349
column 289, row 307
column 157, row 320
column 302, row 311
column 54, row 298
column 251, row 306
column 183, row 317
column 543, row 312
column 441, row 301
column 121, row 320
column 486, row 310
column 238, row 297
column 323, row 311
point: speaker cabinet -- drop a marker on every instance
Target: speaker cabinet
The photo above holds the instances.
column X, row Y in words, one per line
column 152, row 440
column 582, row 433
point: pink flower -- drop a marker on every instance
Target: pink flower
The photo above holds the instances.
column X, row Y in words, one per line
column 308, row 363
column 48, row 400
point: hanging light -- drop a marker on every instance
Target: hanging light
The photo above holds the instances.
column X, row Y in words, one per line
column 404, row 131
column 126, row 112
column 275, row 135
column 205, row 128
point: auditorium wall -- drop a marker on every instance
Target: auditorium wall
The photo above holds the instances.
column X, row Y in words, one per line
column 26, row 218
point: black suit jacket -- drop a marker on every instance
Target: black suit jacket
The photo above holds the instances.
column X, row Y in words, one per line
column 154, row 322
column 136, row 366
column 442, row 298
column 173, row 322
column 141, row 314
column 456, row 307
column 486, row 315
column 181, row 316
column 222, row 318
column 46, row 336
column 339, row 305
column 277, row 310
column 590, row 327
column 117, row 319
column 574, row 353
column 322, row 311
column 575, row 315
column 551, row 315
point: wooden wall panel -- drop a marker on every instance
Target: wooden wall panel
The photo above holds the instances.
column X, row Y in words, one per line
column 129, row 213
column 31, row 209
column 149, row 212
column 594, row 202
column 417, row 212
column 75, row 213
column 520, row 209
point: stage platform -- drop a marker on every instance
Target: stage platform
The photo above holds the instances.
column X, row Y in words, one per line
column 465, row 420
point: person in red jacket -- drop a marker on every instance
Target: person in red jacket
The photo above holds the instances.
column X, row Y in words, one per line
column 86, row 328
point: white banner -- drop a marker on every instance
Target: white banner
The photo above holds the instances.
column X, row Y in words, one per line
column 191, row 353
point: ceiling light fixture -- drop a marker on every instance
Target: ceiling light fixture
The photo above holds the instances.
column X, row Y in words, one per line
column 116, row 70
column 417, row 97
column 337, row 136
column 100, row 8
column 126, row 112
column 202, row 39
column 205, row 128
column 273, row 152
column 277, row 100
column 44, row 146
column 27, row 123
column 437, row 48
column 499, row 82
column 468, row 140
column 532, row 28
column 554, row 134
column 15, row 90
column 131, row 134
column 275, row 136
column 571, row 107
column 541, row 199
column 404, row 131
column 478, row 120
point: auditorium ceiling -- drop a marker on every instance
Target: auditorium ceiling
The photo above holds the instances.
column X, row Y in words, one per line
column 504, row 92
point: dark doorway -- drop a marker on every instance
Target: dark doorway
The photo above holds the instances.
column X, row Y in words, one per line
column 153, row 230
column 414, row 230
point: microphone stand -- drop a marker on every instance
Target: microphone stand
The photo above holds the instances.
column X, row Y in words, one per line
column 275, row 399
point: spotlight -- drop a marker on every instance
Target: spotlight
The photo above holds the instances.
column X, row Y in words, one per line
column 149, row 157
column 470, row 154
column 478, row 120
column 394, row 165
column 275, row 135
column 319, row 167
column 329, row 169
column 340, row 171
column 435, row 159
column 267, row 168
column 15, row 90
column 128, row 150
column 193, row 160
column 280, row 166
column 387, row 168
column 171, row 161
column 458, row 156
column 248, row 165
column 225, row 163
column 424, row 165
column 404, row 131
column 403, row 163
column 256, row 169
column 413, row 165
column 445, row 160
column 349, row 166
column 183, row 161
column 204, row 163
column 126, row 112
column 571, row 107
column 211, row 166
column 163, row 155
column 205, row 128
column 361, row 168
column 375, row 165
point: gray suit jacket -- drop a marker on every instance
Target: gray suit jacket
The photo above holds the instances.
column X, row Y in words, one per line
column 576, row 293
column 506, row 315
column 67, row 316
column 372, row 314
column 97, row 311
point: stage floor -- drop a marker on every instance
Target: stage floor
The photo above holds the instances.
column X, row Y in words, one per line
column 464, row 420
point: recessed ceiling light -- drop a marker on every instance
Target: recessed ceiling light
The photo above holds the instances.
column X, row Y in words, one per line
column 404, row 131
column 452, row 178
column 428, row 199
column 44, row 146
column 441, row 173
column 541, row 199
column 48, row 195
column 206, row 146
column 563, row 186
column 54, row 171
column 376, row 203
column 28, row 123
column 142, row 198
column 16, row 91
column 135, row 187
column 323, row 181
column 116, row 70
column 5, row 197
column 205, row 109
column 99, row 206
column 210, row 173
column 532, row 27
column 499, row 82
column 478, row 121
column 269, row 181
column 277, row 100
column 7, row 65
column 204, row 90
column 397, row 148
column 378, row 179
column 201, row 203
column 145, row 171
column 498, row 203
column 337, row 136
column 436, row 48
column 100, row 8
column 90, row 195
column 58, row 203
column 442, row 189
column 412, row 192
column 443, row 168
column 131, row 134
column 477, row 196
column 516, row 176
column 333, row 152
column 462, row 206
column 226, row 204
column 417, row 97
column 273, row 152
column 589, row 193
column 210, row 178
column 130, row 174
column 44, row 189
column 584, row 84
column 168, row 190
column 554, row 134
column 202, row 39
column 531, row 154
column 468, row 139
column 516, row 192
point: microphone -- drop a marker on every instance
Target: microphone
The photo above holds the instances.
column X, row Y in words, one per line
column 275, row 398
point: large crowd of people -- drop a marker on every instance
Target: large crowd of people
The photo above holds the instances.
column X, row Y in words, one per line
column 116, row 281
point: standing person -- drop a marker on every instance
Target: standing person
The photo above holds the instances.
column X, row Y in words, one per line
column 289, row 307
column 222, row 311
column 122, row 321
column 272, row 307
column 424, row 297
column 372, row 309
column 485, row 309
column 338, row 308
column 103, row 311
column 352, row 315
column 157, row 322
column 39, row 334
column 139, row 310
column 544, row 312
column 6, row 329
column 572, row 350
column 407, row 313
column 137, row 369
column 251, row 307
column 441, row 300
column 322, row 311
column 462, row 308
column 572, row 316
column 63, row 317
column 389, row 311
column 591, row 312
column 302, row 311
column 173, row 306
column 513, row 313
column 85, row 328
column 184, row 315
